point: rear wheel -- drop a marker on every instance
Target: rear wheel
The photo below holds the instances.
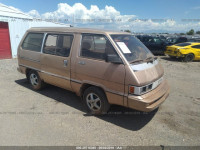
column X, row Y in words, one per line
column 96, row 101
column 35, row 81
column 188, row 58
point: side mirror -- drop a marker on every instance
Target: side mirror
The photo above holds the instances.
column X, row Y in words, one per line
column 113, row 59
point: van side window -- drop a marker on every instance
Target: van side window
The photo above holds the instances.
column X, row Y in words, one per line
column 96, row 46
column 59, row 45
column 33, row 42
column 50, row 44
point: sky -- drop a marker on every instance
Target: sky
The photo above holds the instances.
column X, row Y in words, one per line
column 134, row 15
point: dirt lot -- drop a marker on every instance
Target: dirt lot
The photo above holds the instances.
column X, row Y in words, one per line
column 54, row 116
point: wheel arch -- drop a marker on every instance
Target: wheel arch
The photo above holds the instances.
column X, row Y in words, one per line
column 29, row 69
column 187, row 53
column 85, row 86
column 186, row 56
column 192, row 53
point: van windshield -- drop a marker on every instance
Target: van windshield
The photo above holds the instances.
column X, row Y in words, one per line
column 131, row 47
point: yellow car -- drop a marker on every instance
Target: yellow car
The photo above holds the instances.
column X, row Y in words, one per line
column 187, row 51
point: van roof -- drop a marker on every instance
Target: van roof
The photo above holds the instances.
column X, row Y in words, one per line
column 74, row 30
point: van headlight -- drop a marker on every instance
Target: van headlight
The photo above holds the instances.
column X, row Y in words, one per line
column 135, row 90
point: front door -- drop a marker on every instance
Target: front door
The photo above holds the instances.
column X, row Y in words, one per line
column 56, row 61
column 92, row 68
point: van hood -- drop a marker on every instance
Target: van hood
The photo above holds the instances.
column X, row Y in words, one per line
column 146, row 72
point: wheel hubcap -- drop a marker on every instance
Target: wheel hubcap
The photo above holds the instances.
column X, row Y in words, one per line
column 34, row 79
column 189, row 58
column 93, row 102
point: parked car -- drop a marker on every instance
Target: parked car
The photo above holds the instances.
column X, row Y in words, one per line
column 187, row 51
column 176, row 40
column 172, row 40
column 101, row 67
column 181, row 40
column 194, row 40
column 156, row 45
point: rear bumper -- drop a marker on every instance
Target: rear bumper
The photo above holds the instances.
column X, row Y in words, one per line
column 21, row 69
column 178, row 54
column 150, row 101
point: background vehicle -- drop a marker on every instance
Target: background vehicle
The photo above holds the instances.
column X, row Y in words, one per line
column 176, row 40
column 187, row 51
column 194, row 40
column 155, row 44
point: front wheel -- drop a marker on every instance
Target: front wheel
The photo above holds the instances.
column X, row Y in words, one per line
column 188, row 58
column 96, row 101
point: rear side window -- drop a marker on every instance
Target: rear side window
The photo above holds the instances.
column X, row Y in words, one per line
column 59, row 45
column 196, row 46
column 96, row 46
column 33, row 42
column 50, row 44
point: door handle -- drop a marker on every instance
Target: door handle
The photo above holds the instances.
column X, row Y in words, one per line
column 65, row 63
column 81, row 62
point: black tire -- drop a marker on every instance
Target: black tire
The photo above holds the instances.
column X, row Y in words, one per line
column 92, row 103
column 188, row 58
column 27, row 75
column 35, row 80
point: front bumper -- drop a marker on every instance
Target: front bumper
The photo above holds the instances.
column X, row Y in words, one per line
column 150, row 101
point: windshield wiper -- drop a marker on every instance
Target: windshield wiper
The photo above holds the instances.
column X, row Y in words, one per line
column 151, row 59
column 134, row 61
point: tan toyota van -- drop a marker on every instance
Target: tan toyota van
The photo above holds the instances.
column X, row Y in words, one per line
column 102, row 67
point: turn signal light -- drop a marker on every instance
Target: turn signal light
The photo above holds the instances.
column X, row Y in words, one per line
column 131, row 89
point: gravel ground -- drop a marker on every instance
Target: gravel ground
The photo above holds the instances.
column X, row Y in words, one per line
column 56, row 117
